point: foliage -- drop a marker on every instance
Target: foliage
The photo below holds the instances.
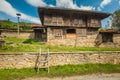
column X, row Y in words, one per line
column 101, row 29
column 56, row 71
column 116, row 19
column 13, row 40
column 7, row 24
column 25, row 26
column 32, row 45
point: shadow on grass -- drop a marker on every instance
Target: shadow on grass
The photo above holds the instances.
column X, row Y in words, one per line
column 30, row 41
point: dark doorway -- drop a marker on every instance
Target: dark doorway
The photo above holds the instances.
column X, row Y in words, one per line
column 40, row 34
column 107, row 37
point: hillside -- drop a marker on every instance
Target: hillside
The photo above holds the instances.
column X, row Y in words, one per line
column 7, row 24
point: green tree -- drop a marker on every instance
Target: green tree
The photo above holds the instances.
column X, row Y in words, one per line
column 7, row 24
column 116, row 20
column 25, row 26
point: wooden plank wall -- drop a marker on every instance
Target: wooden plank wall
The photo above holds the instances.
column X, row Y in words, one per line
column 71, row 20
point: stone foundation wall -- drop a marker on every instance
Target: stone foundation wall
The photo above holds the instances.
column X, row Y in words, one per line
column 93, row 38
column 116, row 40
column 88, row 40
column 25, row 35
column 24, row 60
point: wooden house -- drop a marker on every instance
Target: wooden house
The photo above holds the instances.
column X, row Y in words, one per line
column 70, row 26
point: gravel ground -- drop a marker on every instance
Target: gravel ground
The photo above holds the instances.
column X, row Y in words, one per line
column 115, row 76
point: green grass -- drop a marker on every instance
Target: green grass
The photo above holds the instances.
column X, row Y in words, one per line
column 57, row 71
column 31, row 45
column 13, row 40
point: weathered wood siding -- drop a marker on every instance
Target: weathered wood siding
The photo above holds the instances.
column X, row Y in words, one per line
column 73, row 20
column 93, row 21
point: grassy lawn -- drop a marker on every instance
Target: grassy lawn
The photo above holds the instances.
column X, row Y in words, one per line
column 30, row 45
column 57, row 71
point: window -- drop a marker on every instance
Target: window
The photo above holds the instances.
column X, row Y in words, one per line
column 71, row 34
column 60, row 20
column 57, row 20
column 54, row 20
column 95, row 21
column 81, row 32
column 58, row 32
column 71, row 31
column 81, row 21
column 76, row 21
column 92, row 20
column 47, row 20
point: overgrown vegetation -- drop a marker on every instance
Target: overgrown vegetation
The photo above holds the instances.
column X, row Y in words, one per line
column 7, row 24
column 101, row 29
column 31, row 45
column 116, row 20
column 57, row 71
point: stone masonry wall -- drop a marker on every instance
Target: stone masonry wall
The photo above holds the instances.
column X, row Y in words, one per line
column 24, row 60
column 116, row 40
column 25, row 35
column 88, row 40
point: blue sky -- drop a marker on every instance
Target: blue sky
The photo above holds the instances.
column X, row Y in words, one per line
column 28, row 8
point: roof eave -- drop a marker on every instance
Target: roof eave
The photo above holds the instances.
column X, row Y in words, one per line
column 73, row 10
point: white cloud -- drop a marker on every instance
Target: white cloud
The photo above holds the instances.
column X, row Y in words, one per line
column 119, row 2
column 59, row 3
column 51, row 5
column 86, row 7
column 71, row 4
column 66, row 4
column 103, row 4
column 9, row 10
column 99, row 8
column 36, row 3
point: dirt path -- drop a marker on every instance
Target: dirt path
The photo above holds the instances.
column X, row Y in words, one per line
column 115, row 76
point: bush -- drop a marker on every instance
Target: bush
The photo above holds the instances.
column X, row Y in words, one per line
column 101, row 29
